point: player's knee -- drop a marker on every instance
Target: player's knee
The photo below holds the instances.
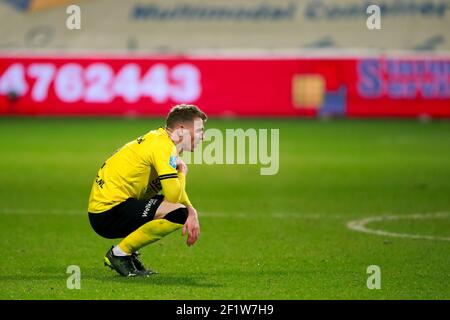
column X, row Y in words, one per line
column 177, row 216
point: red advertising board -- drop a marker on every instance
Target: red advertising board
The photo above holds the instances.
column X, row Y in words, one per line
column 362, row 87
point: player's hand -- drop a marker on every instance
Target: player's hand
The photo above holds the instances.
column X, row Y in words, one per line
column 192, row 226
column 181, row 166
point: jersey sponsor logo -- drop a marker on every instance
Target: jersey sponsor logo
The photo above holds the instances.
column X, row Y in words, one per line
column 173, row 162
column 149, row 204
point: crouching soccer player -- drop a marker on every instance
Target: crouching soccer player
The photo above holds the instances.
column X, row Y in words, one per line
column 125, row 200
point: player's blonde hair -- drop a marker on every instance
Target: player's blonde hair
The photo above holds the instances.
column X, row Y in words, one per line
column 184, row 113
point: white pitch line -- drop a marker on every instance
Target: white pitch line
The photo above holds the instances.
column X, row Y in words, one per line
column 360, row 225
column 357, row 225
column 234, row 215
column 276, row 215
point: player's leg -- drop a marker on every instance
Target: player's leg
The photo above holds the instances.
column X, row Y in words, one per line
column 109, row 224
column 168, row 218
column 165, row 208
column 139, row 222
column 119, row 222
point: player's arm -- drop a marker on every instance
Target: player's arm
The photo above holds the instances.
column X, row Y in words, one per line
column 185, row 199
column 173, row 186
column 172, row 181
column 182, row 167
column 191, row 226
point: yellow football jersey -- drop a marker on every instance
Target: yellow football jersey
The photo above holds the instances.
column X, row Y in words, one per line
column 135, row 171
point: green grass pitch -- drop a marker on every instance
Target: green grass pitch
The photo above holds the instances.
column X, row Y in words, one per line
column 262, row 237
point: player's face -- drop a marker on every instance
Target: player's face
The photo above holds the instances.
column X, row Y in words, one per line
column 196, row 134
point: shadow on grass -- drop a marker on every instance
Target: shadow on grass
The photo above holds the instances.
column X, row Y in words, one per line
column 165, row 280
column 158, row 279
column 200, row 280
column 205, row 280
